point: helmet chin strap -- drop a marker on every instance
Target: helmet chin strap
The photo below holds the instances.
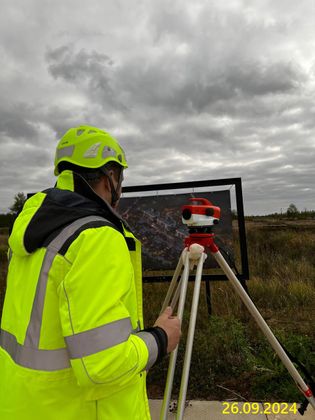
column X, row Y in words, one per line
column 113, row 190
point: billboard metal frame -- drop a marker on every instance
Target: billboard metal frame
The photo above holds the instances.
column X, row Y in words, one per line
column 237, row 183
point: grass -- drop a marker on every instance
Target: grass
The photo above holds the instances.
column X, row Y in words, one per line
column 231, row 358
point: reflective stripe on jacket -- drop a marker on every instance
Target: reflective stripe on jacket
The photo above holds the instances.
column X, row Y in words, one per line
column 70, row 343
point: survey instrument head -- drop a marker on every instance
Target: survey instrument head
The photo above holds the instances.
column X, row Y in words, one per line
column 200, row 213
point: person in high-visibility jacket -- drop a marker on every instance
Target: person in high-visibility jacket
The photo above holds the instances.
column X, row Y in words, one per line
column 72, row 341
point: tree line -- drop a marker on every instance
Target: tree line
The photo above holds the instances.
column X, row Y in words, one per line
column 292, row 213
column 7, row 219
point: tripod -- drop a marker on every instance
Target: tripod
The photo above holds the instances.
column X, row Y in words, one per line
column 198, row 241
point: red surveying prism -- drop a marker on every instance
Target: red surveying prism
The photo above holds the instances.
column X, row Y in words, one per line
column 200, row 216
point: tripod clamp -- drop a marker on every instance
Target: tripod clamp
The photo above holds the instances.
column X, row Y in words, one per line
column 203, row 239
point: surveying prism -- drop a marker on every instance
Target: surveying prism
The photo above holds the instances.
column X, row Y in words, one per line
column 200, row 216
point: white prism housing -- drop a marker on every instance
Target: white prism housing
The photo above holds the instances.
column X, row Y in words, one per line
column 200, row 220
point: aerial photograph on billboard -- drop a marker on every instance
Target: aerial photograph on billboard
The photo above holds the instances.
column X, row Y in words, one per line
column 157, row 222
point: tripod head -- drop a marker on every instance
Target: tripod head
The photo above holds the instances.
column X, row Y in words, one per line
column 200, row 217
column 201, row 213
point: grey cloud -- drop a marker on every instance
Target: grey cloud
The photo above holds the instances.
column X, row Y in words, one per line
column 91, row 71
column 16, row 122
column 227, row 56
column 76, row 67
column 170, row 20
column 221, row 91
column 119, row 88
column 61, row 119
column 182, row 91
column 259, row 78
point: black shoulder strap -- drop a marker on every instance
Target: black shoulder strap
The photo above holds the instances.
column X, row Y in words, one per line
column 92, row 224
column 69, row 233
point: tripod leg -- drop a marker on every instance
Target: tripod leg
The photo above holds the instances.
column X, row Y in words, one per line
column 173, row 357
column 190, row 339
column 265, row 328
column 176, row 294
column 173, row 283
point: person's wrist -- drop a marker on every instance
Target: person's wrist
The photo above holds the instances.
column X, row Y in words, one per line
column 161, row 338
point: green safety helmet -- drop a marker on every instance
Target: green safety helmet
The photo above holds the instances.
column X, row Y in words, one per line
column 88, row 147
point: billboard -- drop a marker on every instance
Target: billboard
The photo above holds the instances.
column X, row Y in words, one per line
column 156, row 222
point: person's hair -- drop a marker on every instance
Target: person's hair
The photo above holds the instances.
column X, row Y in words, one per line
column 91, row 175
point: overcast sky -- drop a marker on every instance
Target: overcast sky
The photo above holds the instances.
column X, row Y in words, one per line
column 193, row 90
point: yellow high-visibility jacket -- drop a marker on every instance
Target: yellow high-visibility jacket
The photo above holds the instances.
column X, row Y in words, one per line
column 71, row 342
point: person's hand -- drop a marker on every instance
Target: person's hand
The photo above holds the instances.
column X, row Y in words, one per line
column 171, row 325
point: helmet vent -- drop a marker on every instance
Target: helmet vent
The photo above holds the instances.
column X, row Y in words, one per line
column 79, row 132
column 65, row 152
column 108, row 152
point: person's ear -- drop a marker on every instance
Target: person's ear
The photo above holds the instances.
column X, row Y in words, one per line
column 106, row 183
column 111, row 174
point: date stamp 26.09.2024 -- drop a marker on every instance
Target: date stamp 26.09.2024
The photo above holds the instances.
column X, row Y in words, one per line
column 231, row 408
